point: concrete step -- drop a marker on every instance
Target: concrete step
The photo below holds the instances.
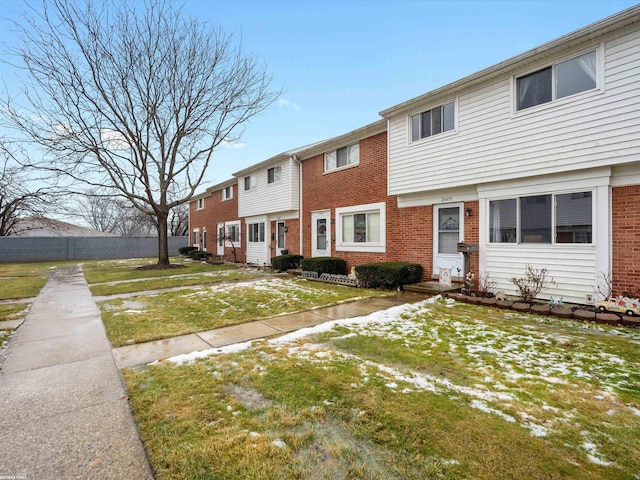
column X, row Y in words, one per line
column 432, row 288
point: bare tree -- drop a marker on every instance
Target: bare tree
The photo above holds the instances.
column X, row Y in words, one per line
column 179, row 220
column 134, row 97
column 19, row 198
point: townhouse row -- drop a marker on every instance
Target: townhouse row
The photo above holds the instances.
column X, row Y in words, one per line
column 536, row 160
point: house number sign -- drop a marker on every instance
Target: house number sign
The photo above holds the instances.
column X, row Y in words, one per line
column 446, row 199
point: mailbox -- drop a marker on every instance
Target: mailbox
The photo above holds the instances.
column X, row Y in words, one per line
column 467, row 247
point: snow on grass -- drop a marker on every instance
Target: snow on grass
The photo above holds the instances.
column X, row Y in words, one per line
column 187, row 358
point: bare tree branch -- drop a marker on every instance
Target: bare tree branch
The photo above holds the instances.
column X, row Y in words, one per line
column 133, row 97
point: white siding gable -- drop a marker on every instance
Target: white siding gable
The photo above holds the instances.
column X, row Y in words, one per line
column 267, row 198
column 492, row 142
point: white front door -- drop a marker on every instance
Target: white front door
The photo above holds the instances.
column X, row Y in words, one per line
column 448, row 230
column 321, row 234
column 221, row 238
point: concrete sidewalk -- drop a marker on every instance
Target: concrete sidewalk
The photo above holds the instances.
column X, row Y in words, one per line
column 130, row 356
column 63, row 408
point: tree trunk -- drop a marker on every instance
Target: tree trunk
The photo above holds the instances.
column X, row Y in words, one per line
column 163, row 241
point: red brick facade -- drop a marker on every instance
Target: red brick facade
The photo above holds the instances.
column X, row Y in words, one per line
column 217, row 211
column 625, row 233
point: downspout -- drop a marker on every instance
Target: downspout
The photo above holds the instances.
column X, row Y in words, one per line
column 300, row 211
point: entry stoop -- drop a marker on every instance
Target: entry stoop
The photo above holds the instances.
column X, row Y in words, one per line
column 432, row 288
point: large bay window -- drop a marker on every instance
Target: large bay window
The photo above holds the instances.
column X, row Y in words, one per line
column 557, row 218
column 361, row 228
column 557, row 81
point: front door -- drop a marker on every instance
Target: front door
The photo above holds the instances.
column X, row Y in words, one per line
column 221, row 239
column 448, row 230
column 280, row 237
column 321, row 234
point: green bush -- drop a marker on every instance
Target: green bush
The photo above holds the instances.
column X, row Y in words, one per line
column 286, row 262
column 186, row 250
column 324, row 265
column 389, row 274
column 199, row 255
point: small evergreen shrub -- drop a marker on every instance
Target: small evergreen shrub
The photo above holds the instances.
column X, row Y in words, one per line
column 199, row 255
column 186, row 250
column 389, row 274
column 322, row 265
column 286, row 262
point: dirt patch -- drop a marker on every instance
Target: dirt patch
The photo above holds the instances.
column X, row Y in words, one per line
column 248, row 397
column 155, row 266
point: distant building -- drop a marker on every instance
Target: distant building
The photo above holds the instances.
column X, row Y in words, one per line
column 48, row 227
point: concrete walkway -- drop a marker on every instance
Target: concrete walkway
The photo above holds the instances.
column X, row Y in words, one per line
column 141, row 353
column 63, row 407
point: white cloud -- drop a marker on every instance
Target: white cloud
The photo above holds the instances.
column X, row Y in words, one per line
column 232, row 144
column 283, row 102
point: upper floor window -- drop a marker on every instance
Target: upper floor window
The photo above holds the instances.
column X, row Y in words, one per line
column 565, row 218
column 342, row 157
column 432, row 122
column 227, row 193
column 249, row 182
column 274, row 174
column 560, row 80
column 200, row 204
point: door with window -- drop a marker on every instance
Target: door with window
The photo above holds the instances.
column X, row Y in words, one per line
column 448, row 230
column 321, row 234
column 220, row 243
column 280, row 237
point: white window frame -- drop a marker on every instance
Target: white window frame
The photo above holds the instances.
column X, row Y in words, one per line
column 251, row 180
column 599, row 64
column 277, row 174
column 437, row 135
column 553, row 218
column 250, row 232
column 200, row 204
column 226, row 193
column 236, row 243
column 353, row 158
column 196, row 238
column 375, row 247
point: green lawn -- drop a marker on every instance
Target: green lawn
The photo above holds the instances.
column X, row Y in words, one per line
column 153, row 317
column 23, row 280
column 432, row 391
column 103, row 271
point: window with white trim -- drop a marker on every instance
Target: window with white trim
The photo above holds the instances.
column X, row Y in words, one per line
column 432, row 122
column 200, row 204
column 256, row 232
column 226, row 193
column 249, row 182
column 196, row 237
column 552, row 218
column 361, row 228
column 342, row 157
column 204, row 239
column 575, row 75
column 232, row 237
column 274, row 174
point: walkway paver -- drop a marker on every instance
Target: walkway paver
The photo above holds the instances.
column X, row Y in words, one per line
column 64, row 412
column 143, row 353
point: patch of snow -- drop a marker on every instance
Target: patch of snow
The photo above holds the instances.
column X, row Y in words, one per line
column 279, row 443
column 191, row 357
column 391, row 385
column 486, row 408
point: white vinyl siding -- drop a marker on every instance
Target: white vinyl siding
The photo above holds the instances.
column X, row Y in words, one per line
column 268, row 198
column 257, row 248
column 494, row 144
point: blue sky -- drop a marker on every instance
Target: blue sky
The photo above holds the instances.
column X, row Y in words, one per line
column 341, row 62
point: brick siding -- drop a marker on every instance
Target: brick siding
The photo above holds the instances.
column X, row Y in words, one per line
column 625, row 223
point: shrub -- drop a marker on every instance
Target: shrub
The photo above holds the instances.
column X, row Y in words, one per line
column 533, row 283
column 389, row 274
column 286, row 262
column 186, row 250
column 199, row 255
column 324, row 265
